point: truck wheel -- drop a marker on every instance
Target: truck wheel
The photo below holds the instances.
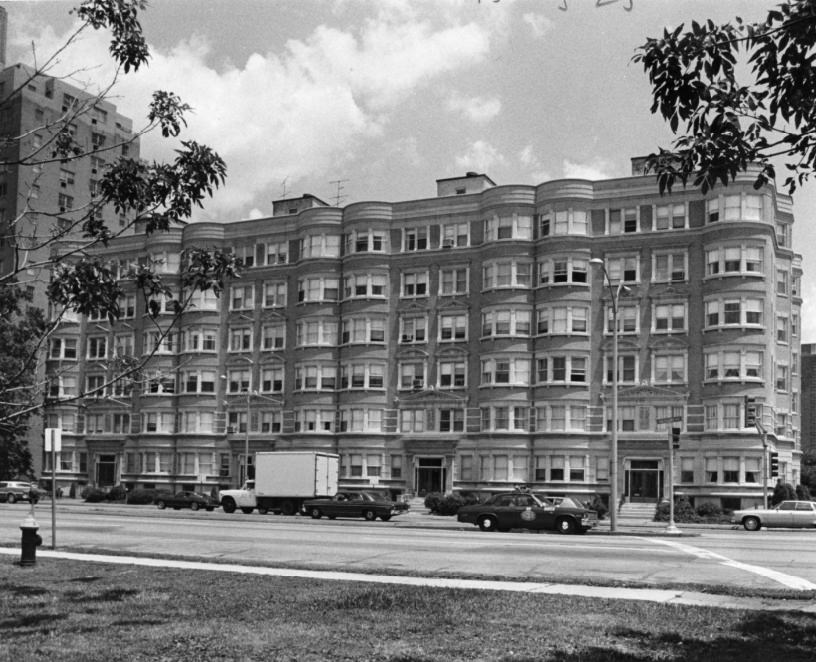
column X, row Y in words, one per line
column 288, row 508
column 369, row 515
column 228, row 505
column 315, row 513
column 246, row 510
column 263, row 511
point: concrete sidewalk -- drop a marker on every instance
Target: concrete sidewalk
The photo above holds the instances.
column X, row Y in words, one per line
column 664, row 596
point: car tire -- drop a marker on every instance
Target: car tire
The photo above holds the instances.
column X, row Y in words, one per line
column 565, row 525
column 385, row 518
column 488, row 523
column 369, row 515
column 246, row 510
column 228, row 505
column 11, row 498
column 263, row 511
column 315, row 513
column 161, row 505
column 194, row 506
column 752, row 523
column 288, row 508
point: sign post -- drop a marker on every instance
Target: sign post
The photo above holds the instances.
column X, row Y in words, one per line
column 674, row 442
column 53, row 444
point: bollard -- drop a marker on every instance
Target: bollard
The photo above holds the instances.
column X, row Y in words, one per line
column 31, row 540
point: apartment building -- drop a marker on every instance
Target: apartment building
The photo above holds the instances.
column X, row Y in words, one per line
column 461, row 343
column 41, row 196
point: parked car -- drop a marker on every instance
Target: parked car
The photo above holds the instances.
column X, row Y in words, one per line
column 523, row 510
column 788, row 514
column 186, row 499
column 17, row 490
column 367, row 505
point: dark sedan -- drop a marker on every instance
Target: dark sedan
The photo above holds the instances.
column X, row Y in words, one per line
column 367, row 505
column 186, row 499
column 522, row 510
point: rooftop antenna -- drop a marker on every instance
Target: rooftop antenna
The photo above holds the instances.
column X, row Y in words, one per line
column 339, row 196
column 284, row 190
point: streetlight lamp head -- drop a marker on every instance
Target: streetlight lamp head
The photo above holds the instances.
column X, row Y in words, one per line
column 596, row 260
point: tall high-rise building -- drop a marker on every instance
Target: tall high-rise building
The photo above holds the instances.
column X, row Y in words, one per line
column 40, row 195
column 462, row 342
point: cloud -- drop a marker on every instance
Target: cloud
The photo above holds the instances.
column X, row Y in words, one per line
column 597, row 168
column 299, row 112
column 476, row 109
column 481, row 156
column 531, row 163
column 539, row 24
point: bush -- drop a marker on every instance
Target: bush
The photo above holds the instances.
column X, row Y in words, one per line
column 782, row 492
column 440, row 504
column 141, row 497
column 683, row 512
column 597, row 504
column 93, row 494
column 117, row 493
column 803, row 493
column 432, row 501
column 709, row 509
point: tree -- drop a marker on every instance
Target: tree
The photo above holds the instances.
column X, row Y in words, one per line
column 722, row 124
column 151, row 197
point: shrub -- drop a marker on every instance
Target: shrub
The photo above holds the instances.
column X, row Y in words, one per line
column 117, row 493
column 683, row 511
column 597, row 504
column 803, row 493
column 94, row 494
column 141, row 497
column 432, row 501
column 782, row 492
column 708, row 509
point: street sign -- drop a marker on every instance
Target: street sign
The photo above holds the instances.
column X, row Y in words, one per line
column 670, row 419
column 53, row 436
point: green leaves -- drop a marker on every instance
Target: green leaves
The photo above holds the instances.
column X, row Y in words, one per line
column 128, row 46
column 724, row 125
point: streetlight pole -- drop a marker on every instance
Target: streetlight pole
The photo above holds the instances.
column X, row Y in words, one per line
column 613, row 451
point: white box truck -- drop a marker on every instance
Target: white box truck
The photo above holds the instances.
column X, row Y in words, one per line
column 283, row 481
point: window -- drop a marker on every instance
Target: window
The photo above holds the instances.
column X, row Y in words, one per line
column 712, row 473
column 63, row 348
column 273, row 336
column 506, row 274
column 362, row 375
column 686, row 469
column 622, row 221
column 451, row 374
column 752, row 469
column 272, row 379
column 242, row 297
column 732, row 364
column 271, row 253
column 201, row 339
column 734, row 261
column 97, row 347
column 160, row 422
column 561, row 369
column 360, row 420
column 731, row 470
column 415, row 239
column 159, row 383
column 509, row 227
column 453, row 281
column 454, row 235
column 270, row 421
column 415, row 284
column 669, row 318
column 781, row 377
column 734, row 207
column 239, row 380
column 358, row 286
column 628, row 319
column 669, row 267
column 505, row 372
column 624, row 269
column 412, row 375
column 365, row 241
column 504, row 418
column 510, row 322
column 412, row 420
column 781, row 329
column 558, row 320
column 240, row 340
column 95, row 386
column 451, row 420
column 782, row 282
column 198, row 381
column 562, row 222
column 413, row 329
column 562, row 270
column 320, row 245
column 203, row 300
column 733, row 312
column 316, row 332
column 274, row 294
column 670, row 217
column 670, row 369
column 315, row 377
column 453, row 327
column 363, row 330
column 627, row 369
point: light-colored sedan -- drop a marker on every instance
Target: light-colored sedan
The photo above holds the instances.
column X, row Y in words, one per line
column 787, row 515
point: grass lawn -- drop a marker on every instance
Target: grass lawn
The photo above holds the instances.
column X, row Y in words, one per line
column 66, row 610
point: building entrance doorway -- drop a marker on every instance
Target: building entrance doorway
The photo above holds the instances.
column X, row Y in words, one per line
column 106, row 471
column 429, row 475
column 643, row 480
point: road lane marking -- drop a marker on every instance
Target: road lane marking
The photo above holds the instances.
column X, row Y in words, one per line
column 791, row 581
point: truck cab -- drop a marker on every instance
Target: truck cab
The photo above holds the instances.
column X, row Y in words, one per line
column 243, row 498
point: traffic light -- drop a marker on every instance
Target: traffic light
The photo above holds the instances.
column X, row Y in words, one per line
column 675, row 438
column 774, row 465
column 750, row 412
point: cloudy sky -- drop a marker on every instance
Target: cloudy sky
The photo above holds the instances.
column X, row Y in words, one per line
column 386, row 96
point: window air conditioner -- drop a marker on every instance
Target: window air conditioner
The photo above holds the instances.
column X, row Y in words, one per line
column 447, row 243
column 407, row 338
column 418, row 382
column 231, row 429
